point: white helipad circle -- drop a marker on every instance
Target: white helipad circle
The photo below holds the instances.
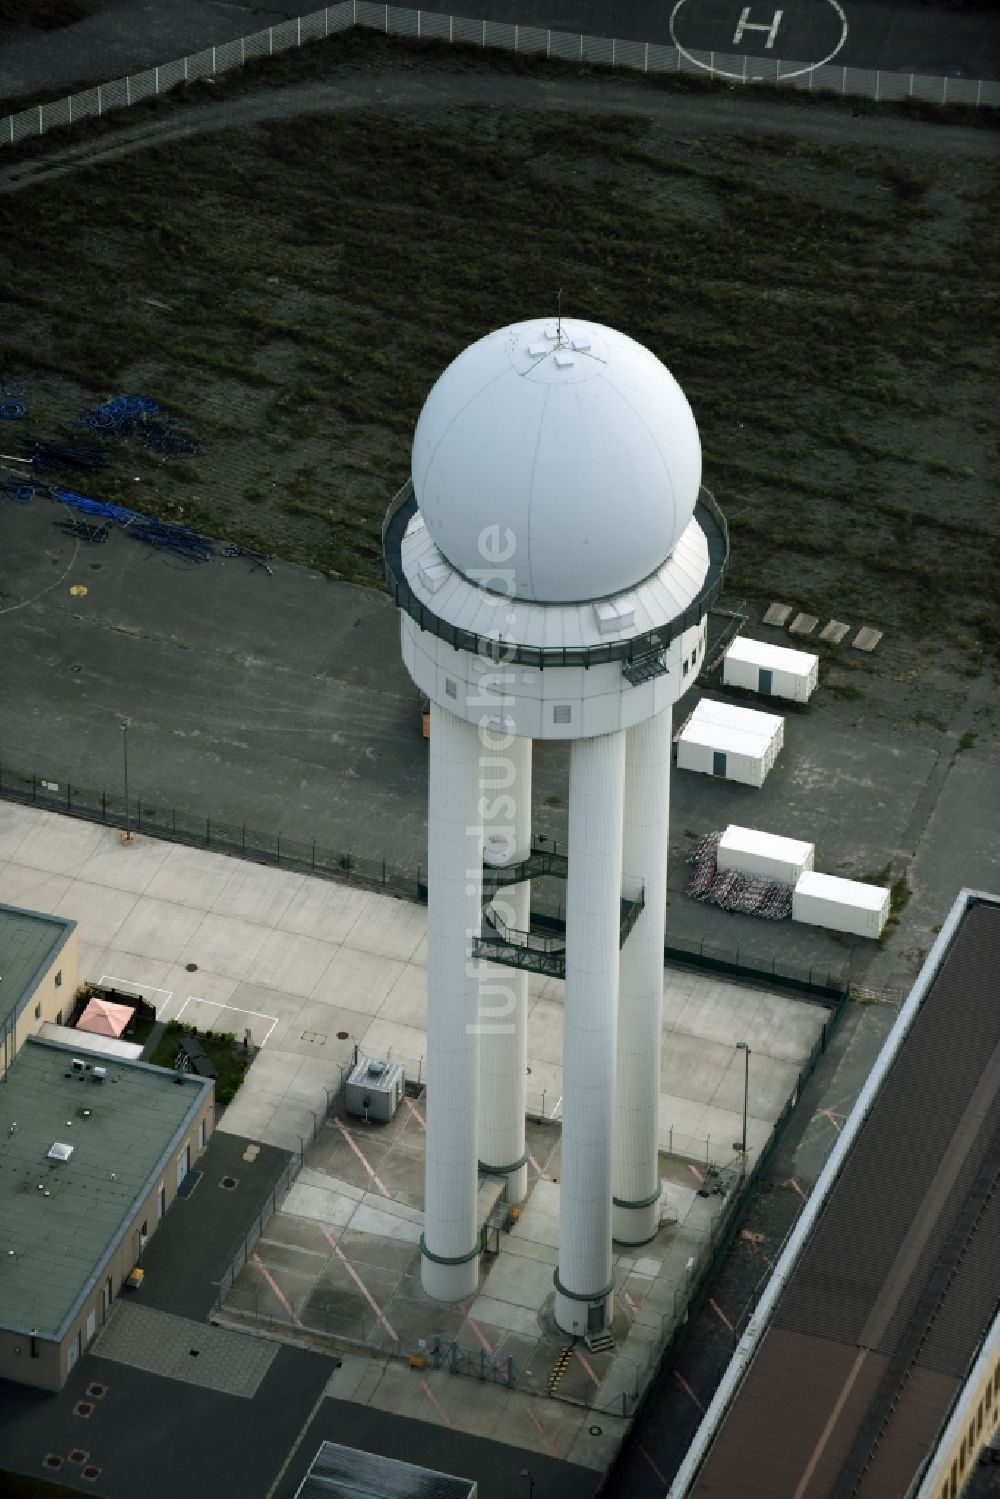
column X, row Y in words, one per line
column 718, row 72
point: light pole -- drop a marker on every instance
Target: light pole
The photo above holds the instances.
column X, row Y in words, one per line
column 745, row 1049
column 524, row 1473
column 126, row 837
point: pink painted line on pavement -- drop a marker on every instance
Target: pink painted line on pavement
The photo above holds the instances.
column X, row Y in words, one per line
column 363, row 1159
column 650, row 1462
column 717, row 1309
column 695, row 1172
column 630, row 1304
column 793, row 1183
column 685, row 1386
column 434, row 1400
column 274, row 1286
column 483, row 1339
column 550, row 1444
column 380, row 1314
column 535, row 1166
column 828, row 1114
column 415, row 1112
column 588, row 1367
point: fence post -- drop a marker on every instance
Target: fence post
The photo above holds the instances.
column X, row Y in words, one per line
column 208, row 831
column 944, row 89
column 41, row 129
column 876, row 84
column 69, row 101
column 69, row 797
column 277, row 847
column 270, row 41
column 156, row 72
column 138, row 815
column 314, row 854
column 213, row 60
column 104, row 806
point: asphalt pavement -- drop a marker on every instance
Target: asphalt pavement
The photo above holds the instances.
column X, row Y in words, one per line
column 935, row 38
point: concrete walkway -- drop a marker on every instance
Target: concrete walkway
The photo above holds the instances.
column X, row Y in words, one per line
column 312, row 969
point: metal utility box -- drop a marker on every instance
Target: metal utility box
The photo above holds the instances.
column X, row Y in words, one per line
column 780, row 860
column 841, row 905
column 736, row 744
column 374, row 1088
column 772, row 670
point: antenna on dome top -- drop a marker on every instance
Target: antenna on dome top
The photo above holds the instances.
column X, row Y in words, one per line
column 559, row 316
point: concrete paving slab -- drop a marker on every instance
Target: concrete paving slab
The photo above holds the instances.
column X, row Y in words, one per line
column 358, row 980
column 325, row 910
column 102, row 909
column 404, row 1043
column 368, row 1219
column 406, row 1002
column 226, row 945
column 258, row 894
column 158, row 928
column 390, row 928
column 191, row 876
column 316, row 1203
column 16, row 825
column 519, row 1282
column 125, row 866
column 292, row 962
column 504, row 1314
column 719, row 1012
column 545, row 1031
column 22, row 885
column 62, row 845
column 692, row 1066
column 770, row 1083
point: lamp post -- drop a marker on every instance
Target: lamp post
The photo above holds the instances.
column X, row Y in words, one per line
column 745, row 1049
column 524, row 1473
column 126, row 837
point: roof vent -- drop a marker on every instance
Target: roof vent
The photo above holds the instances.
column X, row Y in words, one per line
column 78, row 1064
column 60, row 1152
column 100, row 1073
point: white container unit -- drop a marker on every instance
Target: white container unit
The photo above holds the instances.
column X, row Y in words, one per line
column 780, row 860
column 841, row 905
column 736, row 744
column 772, row 670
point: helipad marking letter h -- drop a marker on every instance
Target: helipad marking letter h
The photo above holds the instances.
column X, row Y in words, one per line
column 745, row 24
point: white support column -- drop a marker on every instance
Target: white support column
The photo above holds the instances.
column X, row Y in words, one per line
column 449, row 1264
column 503, row 995
column 646, row 832
column 584, row 1278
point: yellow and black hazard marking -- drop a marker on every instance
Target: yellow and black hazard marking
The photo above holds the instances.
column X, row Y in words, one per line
column 559, row 1369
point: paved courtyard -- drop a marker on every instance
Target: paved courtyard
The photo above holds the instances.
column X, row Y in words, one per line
column 314, row 969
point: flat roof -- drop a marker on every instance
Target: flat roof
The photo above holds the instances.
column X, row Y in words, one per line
column 28, row 943
column 712, row 711
column 752, row 841
column 779, row 657
column 843, row 892
column 888, row 1287
column 709, row 734
column 58, row 1220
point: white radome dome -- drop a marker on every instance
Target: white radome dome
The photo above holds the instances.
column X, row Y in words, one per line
column 568, row 444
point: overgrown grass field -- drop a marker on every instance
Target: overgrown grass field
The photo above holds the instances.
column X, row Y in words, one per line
column 290, row 290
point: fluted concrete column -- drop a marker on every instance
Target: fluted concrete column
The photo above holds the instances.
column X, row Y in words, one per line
column 503, row 992
column 584, row 1278
column 645, row 841
column 449, row 1264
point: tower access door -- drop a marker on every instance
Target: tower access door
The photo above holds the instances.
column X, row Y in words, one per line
column 719, row 763
column 765, row 680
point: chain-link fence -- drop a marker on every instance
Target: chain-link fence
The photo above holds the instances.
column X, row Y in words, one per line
column 528, row 41
column 369, row 871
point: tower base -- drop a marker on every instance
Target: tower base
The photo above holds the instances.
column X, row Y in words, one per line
column 446, row 1281
column 635, row 1226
